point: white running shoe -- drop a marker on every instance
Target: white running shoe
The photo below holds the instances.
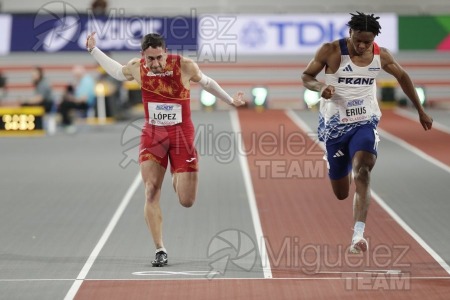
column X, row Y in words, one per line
column 359, row 243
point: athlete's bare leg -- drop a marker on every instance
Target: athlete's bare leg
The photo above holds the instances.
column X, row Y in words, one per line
column 363, row 163
column 341, row 187
column 185, row 185
column 153, row 176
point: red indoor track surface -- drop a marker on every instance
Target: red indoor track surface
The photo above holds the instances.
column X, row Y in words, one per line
column 258, row 289
column 306, row 209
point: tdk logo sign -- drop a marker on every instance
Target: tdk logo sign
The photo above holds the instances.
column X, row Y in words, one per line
column 308, row 33
column 279, row 34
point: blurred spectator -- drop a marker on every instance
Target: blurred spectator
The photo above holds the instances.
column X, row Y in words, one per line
column 99, row 7
column 84, row 86
column 43, row 95
column 67, row 104
column 2, row 86
column 80, row 96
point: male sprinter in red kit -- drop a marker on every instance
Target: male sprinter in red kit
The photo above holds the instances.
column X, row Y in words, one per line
column 168, row 133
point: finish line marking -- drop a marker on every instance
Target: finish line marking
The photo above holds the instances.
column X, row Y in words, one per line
column 172, row 273
column 220, row 279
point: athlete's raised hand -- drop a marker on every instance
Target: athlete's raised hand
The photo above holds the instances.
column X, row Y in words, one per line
column 238, row 99
column 90, row 41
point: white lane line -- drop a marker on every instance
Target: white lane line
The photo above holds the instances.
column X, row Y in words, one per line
column 251, row 197
column 414, row 117
column 302, row 125
column 411, row 232
column 104, row 238
column 414, row 150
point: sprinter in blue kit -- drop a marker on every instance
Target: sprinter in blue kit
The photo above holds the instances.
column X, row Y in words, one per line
column 349, row 112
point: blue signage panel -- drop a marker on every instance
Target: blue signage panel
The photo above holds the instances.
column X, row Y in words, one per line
column 67, row 32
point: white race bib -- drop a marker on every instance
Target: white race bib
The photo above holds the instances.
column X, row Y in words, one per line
column 164, row 114
column 355, row 110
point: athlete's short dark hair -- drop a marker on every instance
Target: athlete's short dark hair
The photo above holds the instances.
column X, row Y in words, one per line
column 153, row 40
column 363, row 22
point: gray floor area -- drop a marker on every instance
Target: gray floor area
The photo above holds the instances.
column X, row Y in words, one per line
column 58, row 194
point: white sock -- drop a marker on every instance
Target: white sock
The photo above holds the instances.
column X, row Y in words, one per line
column 359, row 228
column 161, row 249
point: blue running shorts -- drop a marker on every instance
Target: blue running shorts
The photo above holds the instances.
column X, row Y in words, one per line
column 340, row 151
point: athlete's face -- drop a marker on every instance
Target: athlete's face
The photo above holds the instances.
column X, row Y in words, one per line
column 155, row 59
column 361, row 41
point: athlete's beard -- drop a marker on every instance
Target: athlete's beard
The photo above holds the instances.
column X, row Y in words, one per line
column 158, row 69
